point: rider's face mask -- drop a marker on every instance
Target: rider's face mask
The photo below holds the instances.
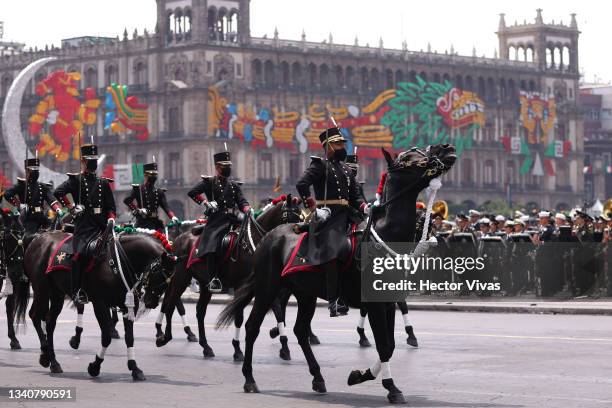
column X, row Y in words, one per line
column 33, row 175
column 339, row 153
column 91, row 165
column 225, row 171
column 151, row 179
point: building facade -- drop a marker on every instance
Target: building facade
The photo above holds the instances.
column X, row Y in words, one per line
column 207, row 82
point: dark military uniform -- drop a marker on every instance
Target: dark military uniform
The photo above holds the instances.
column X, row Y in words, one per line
column 228, row 195
column 35, row 217
column 343, row 199
column 147, row 196
column 95, row 196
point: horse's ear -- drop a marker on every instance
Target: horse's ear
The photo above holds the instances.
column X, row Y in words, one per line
column 288, row 199
column 388, row 157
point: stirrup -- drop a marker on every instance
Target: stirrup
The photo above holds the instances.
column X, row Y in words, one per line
column 215, row 286
column 336, row 308
column 80, row 298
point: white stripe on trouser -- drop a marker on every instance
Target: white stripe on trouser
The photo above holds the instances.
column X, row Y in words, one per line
column 102, row 353
column 43, row 326
column 131, row 353
column 281, row 328
column 79, row 322
column 361, row 322
column 237, row 333
column 375, row 369
column 406, row 320
column 386, row 370
column 160, row 318
column 184, row 320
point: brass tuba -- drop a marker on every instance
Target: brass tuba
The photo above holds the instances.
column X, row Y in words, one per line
column 607, row 211
column 440, row 207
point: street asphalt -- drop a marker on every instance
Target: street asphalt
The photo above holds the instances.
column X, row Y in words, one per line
column 485, row 360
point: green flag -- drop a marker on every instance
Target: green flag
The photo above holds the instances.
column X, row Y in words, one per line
column 526, row 166
column 137, row 173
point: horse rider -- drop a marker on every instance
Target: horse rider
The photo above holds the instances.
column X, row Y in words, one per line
column 337, row 192
column 92, row 207
column 30, row 196
column 220, row 196
column 145, row 200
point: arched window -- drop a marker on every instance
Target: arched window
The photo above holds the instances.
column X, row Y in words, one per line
column 296, row 74
column 312, row 75
column 365, row 80
column 389, row 79
column 257, row 71
column 285, row 77
column 503, row 92
column 491, row 90
column 511, row 90
column 469, row 83
column 349, row 78
column 566, row 58
column 112, row 74
column 212, row 23
column 339, row 77
column 269, row 77
column 324, row 76
column 482, row 89
column 459, row 82
column 557, row 57
column 140, row 73
column 399, row 76
column 436, row 77
column 375, row 79
column 91, row 78
column 529, row 54
column 549, row 58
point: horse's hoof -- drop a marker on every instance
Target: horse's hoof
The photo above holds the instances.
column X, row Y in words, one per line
column 55, row 368
column 314, row 340
column 114, row 334
column 15, row 345
column 411, row 340
column 207, row 351
column 93, row 369
column 364, row 342
column 190, row 336
column 319, row 386
column 274, row 332
column 138, row 375
column 354, row 378
column 74, row 342
column 396, row 397
column 251, row 388
column 44, row 360
column 238, row 356
column 285, row 354
column 162, row 340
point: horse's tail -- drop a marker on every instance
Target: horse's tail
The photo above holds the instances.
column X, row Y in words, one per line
column 242, row 298
column 21, row 292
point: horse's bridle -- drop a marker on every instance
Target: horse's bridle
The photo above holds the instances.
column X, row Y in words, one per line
column 286, row 212
column 143, row 281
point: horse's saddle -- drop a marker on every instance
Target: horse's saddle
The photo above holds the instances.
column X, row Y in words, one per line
column 228, row 243
column 197, row 230
column 298, row 263
column 62, row 256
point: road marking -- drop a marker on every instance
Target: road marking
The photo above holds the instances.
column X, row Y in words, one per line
column 518, row 396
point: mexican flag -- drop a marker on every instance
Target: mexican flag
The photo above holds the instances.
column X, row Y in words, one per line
column 124, row 175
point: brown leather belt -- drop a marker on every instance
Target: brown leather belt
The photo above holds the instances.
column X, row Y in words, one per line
column 340, row 201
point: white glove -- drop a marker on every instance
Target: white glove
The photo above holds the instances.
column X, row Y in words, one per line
column 143, row 212
column 240, row 217
column 23, row 207
column 78, row 209
column 175, row 219
column 213, row 204
column 367, row 210
column 323, row 213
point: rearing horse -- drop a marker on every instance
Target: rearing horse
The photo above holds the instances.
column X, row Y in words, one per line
column 151, row 268
column 394, row 221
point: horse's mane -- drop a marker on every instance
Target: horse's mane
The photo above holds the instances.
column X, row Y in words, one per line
column 272, row 203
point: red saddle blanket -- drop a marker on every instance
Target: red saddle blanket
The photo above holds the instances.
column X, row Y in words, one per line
column 193, row 253
column 296, row 263
column 63, row 257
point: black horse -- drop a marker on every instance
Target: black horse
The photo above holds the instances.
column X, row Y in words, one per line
column 145, row 257
column 411, row 340
column 11, row 266
column 394, row 221
column 235, row 270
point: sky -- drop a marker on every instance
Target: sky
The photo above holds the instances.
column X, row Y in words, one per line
column 442, row 23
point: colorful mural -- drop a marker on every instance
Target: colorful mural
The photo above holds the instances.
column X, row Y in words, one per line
column 538, row 116
column 413, row 114
column 64, row 113
column 125, row 112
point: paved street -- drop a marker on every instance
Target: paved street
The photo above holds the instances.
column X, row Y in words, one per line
column 486, row 360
